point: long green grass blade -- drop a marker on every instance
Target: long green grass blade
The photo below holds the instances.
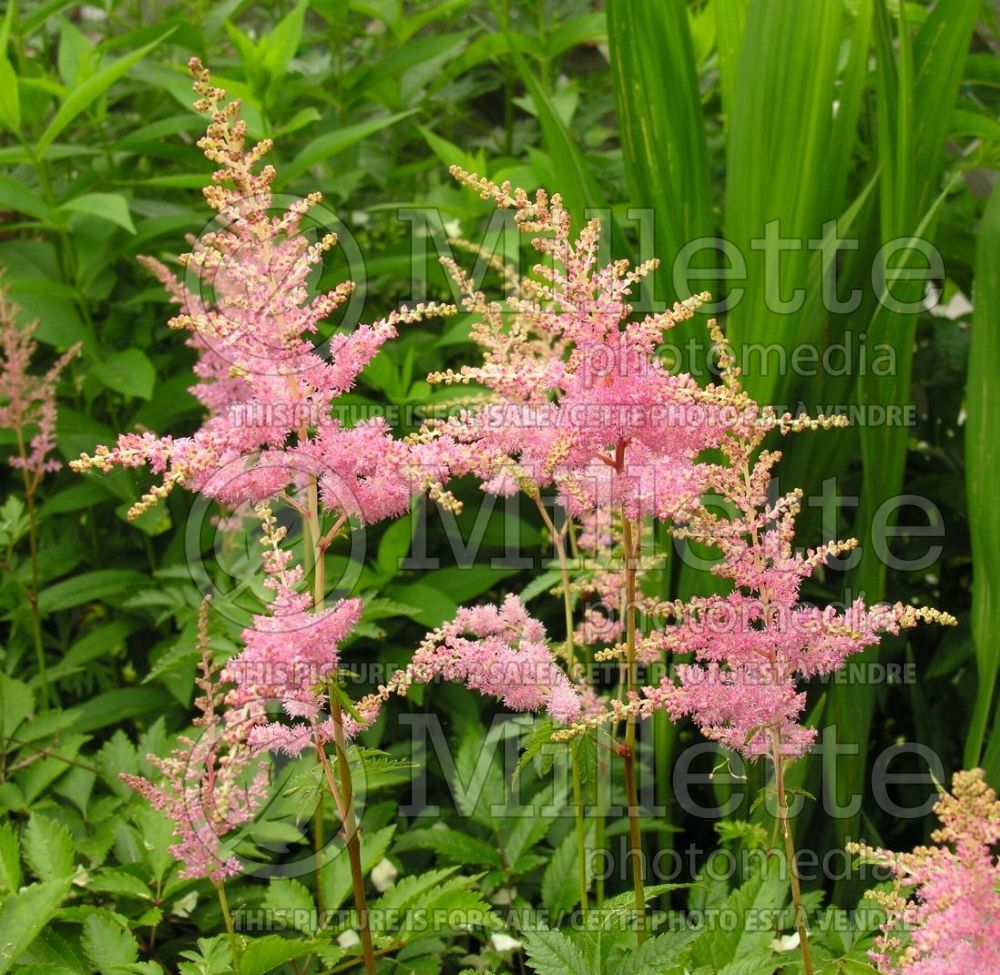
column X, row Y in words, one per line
column 982, row 466
column 911, row 84
column 782, row 137
column 661, row 123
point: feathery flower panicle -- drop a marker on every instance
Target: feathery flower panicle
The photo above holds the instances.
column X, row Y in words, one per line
column 27, row 400
column 602, row 586
column 754, row 645
column 290, row 653
column 498, row 651
column 577, row 397
column 246, row 304
column 211, row 785
column 943, row 909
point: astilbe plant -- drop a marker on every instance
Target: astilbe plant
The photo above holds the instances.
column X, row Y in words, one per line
column 943, row 906
column 28, row 408
column 269, row 438
column 754, row 645
column 577, row 399
column 578, row 402
column 212, row 784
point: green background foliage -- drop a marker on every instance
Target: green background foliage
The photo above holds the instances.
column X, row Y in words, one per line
column 718, row 116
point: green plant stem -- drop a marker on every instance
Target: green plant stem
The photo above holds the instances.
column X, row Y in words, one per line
column 581, row 836
column 234, row 944
column 342, row 793
column 793, row 874
column 318, row 850
column 36, row 617
column 559, row 543
column 628, row 750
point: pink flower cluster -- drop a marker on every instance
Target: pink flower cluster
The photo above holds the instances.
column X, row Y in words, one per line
column 499, row 651
column 754, row 645
column 577, row 397
column 290, row 654
column 247, row 307
column 211, row 785
column 28, row 401
column 943, row 911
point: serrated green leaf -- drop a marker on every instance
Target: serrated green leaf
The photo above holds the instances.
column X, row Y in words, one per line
column 48, row 848
column 452, row 845
column 561, row 879
column 292, row 901
column 24, row 915
column 110, row 948
column 265, row 954
column 552, row 953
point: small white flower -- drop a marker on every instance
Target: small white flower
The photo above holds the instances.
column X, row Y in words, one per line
column 504, row 897
column 384, row 875
column 183, row 906
column 503, row 942
column 787, row 942
column 348, row 939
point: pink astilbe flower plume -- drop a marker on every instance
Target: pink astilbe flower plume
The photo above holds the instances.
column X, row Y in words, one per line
column 499, row 651
column 753, row 646
column 291, row 653
column 943, row 909
column 576, row 395
column 211, row 785
column 247, row 307
column 28, row 401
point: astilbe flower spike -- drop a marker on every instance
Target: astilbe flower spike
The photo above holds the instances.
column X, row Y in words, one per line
column 210, row 785
column 28, row 401
column 290, row 654
column 576, row 395
column 268, row 391
column 943, row 909
column 499, row 651
column 753, row 645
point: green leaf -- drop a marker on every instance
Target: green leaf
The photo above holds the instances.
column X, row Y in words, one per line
column 658, row 955
column 327, row 146
column 760, row 898
column 109, row 947
column 112, row 207
column 89, row 587
column 10, row 99
column 24, row 916
column 129, row 372
column 10, row 859
column 552, row 953
column 291, row 900
column 81, row 97
column 659, row 105
column 48, row 848
column 982, row 460
column 278, row 46
column 14, row 195
column 577, row 185
column 457, row 847
column 265, row 954
column 17, row 702
column 561, row 879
